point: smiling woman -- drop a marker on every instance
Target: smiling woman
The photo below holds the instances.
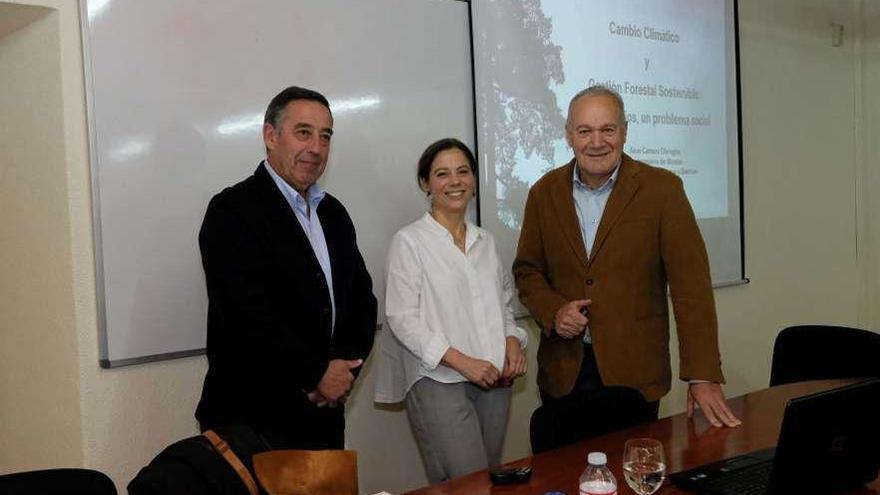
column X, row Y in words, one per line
column 454, row 349
column 447, row 175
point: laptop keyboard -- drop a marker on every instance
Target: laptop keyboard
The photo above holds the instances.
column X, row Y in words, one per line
column 751, row 480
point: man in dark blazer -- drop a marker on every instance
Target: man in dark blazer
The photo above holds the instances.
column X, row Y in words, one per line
column 291, row 313
column 602, row 237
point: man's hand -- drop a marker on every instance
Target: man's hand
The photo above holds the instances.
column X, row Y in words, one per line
column 570, row 319
column 320, row 400
column 514, row 361
column 337, row 380
column 709, row 397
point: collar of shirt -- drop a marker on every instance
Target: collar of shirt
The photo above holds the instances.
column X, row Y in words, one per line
column 605, row 187
column 472, row 232
column 315, row 193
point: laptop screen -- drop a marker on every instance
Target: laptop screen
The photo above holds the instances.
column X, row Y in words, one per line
column 829, row 440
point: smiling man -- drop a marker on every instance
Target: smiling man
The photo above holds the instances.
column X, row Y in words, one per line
column 291, row 313
column 602, row 239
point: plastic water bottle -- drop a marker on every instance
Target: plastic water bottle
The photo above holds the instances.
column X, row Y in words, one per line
column 597, row 478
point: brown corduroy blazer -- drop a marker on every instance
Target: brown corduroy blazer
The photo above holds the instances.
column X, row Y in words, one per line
column 647, row 238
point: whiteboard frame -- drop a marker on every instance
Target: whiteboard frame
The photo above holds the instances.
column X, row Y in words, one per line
column 105, row 360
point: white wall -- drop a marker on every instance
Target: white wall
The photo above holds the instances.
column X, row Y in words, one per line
column 57, row 407
column 810, row 246
column 39, row 408
column 799, row 155
column 868, row 110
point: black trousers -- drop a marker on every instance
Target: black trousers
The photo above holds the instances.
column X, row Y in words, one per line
column 309, row 428
column 590, row 410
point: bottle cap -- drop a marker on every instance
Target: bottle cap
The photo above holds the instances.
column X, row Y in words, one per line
column 597, row 458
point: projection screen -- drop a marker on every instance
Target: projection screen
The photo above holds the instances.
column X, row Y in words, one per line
column 674, row 62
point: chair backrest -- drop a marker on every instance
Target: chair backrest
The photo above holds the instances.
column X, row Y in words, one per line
column 307, row 472
column 57, row 482
column 195, row 467
column 819, row 352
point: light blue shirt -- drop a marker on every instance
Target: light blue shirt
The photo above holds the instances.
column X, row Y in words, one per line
column 590, row 204
column 307, row 214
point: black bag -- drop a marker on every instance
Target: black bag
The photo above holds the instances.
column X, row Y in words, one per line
column 194, row 466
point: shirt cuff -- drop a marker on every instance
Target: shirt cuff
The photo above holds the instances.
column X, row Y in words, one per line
column 434, row 351
column 520, row 335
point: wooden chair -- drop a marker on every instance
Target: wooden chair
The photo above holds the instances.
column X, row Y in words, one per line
column 307, row 472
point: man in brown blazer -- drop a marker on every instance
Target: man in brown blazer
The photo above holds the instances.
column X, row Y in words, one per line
column 602, row 237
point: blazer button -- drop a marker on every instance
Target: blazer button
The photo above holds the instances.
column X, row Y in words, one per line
column 320, row 275
column 325, row 311
column 589, row 281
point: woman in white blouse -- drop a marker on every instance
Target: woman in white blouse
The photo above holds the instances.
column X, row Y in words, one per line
column 454, row 348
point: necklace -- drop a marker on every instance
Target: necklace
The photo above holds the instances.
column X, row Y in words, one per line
column 457, row 228
column 460, row 237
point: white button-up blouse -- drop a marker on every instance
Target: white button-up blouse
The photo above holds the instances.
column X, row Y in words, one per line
column 437, row 297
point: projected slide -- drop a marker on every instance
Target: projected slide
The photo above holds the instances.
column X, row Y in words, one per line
column 673, row 63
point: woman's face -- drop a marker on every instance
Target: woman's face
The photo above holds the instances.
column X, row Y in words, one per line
column 450, row 182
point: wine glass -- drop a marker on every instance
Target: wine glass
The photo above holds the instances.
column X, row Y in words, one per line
column 644, row 465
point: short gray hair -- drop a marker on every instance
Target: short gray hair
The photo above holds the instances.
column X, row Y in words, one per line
column 598, row 90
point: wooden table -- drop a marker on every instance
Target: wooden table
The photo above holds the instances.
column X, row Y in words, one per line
column 688, row 443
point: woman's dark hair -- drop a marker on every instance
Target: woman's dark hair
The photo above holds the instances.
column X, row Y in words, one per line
column 431, row 152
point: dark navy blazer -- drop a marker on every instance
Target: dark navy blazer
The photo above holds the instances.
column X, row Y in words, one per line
column 269, row 312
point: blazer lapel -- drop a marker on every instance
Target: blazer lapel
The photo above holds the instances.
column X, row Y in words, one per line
column 285, row 227
column 621, row 195
column 568, row 222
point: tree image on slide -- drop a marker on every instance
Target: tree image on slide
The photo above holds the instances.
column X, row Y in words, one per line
column 521, row 117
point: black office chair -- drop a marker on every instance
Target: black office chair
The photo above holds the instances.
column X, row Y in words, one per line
column 57, row 482
column 822, row 352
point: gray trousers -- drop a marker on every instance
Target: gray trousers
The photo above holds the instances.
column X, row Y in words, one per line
column 459, row 426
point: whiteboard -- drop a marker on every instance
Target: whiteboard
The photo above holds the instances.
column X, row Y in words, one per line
column 176, row 91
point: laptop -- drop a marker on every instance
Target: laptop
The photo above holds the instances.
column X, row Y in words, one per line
column 829, row 441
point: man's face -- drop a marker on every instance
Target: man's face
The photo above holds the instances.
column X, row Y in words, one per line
column 596, row 133
column 298, row 149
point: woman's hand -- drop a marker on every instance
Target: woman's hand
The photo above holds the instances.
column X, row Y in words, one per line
column 478, row 371
column 515, row 362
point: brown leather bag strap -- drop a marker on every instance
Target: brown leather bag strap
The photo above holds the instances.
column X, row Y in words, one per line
column 233, row 460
